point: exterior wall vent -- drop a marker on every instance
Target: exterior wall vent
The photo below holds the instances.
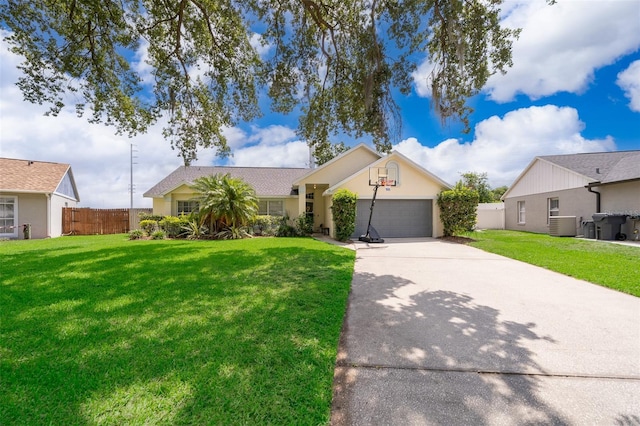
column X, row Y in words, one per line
column 562, row 226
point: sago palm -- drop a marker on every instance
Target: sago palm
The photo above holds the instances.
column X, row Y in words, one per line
column 231, row 202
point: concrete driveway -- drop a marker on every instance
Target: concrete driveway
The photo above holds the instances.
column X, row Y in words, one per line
column 440, row 333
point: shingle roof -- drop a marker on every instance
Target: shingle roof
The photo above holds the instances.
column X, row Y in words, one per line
column 30, row 176
column 605, row 167
column 267, row 181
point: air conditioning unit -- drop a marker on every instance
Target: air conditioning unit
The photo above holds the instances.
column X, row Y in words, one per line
column 562, row 226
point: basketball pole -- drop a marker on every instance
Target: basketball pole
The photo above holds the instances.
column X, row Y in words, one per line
column 367, row 237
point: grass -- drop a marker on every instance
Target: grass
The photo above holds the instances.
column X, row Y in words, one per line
column 610, row 265
column 103, row 330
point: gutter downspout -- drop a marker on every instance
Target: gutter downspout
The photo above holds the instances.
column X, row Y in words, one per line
column 48, row 232
column 589, row 188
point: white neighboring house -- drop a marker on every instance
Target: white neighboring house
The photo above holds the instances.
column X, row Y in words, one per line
column 575, row 185
column 34, row 192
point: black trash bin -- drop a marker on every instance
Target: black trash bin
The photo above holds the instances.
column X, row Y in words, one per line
column 608, row 226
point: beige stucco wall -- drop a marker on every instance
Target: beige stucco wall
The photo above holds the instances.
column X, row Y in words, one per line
column 573, row 202
column 58, row 202
column 622, row 198
column 167, row 205
column 341, row 168
column 162, row 206
column 32, row 208
column 412, row 184
column 291, row 206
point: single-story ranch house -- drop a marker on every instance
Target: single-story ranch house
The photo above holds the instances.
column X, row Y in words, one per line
column 34, row 192
column 406, row 210
column 575, row 185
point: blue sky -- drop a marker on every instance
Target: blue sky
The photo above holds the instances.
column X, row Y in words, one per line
column 574, row 87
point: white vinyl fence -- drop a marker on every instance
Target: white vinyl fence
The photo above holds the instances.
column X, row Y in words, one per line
column 490, row 216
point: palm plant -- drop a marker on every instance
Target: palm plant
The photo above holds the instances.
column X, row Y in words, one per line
column 229, row 202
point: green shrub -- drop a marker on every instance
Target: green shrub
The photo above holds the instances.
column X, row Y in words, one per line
column 194, row 229
column 344, row 213
column 146, row 216
column 285, row 229
column 458, row 209
column 158, row 235
column 233, row 233
column 265, row 225
column 149, row 226
column 173, row 225
column 304, row 225
column 136, row 234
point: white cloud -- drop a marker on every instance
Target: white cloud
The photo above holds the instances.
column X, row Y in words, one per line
column 140, row 64
column 504, row 146
column 562, row 45
column 289, row 154
column 629, row 81
column 259, row 44
column 421, row 78
column 272, row 135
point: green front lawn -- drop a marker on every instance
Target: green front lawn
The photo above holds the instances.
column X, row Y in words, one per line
column 607, row 264
column 103, row 330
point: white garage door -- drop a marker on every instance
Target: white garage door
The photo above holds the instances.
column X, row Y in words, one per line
column 396, row 218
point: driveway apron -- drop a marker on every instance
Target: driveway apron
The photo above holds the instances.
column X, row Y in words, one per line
column 439, row 333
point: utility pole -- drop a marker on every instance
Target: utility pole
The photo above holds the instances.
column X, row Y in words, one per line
column 131, row 187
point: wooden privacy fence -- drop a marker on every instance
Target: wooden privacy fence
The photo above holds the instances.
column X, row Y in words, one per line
column 87, row 221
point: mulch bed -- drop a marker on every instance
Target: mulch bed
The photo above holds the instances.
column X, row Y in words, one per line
column 456, row 239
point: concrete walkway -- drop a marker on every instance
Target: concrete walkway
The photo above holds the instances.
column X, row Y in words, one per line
column 439, row 333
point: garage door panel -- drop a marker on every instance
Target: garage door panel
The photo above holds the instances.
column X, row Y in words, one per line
column 396, row 218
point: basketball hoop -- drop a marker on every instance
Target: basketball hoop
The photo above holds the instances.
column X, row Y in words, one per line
column 386, row 183
column 382, row 176
column 378, row 176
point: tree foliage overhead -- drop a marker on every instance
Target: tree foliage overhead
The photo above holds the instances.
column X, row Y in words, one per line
column 338, row 62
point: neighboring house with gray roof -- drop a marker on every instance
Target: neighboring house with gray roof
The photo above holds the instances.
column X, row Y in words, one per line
column 575, row 185
column 34, row 192
column 407, row 209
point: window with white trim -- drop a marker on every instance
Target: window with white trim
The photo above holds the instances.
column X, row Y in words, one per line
column 187, row 207
column 271, row 207
column 553, row 207
column 521, row 212
column 8, row 217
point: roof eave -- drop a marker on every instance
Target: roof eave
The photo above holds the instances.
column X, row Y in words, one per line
column 333, row 160
column 599, row 183
column 332, row 189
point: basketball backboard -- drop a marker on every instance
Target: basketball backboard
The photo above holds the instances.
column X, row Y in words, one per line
column 382, row 176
